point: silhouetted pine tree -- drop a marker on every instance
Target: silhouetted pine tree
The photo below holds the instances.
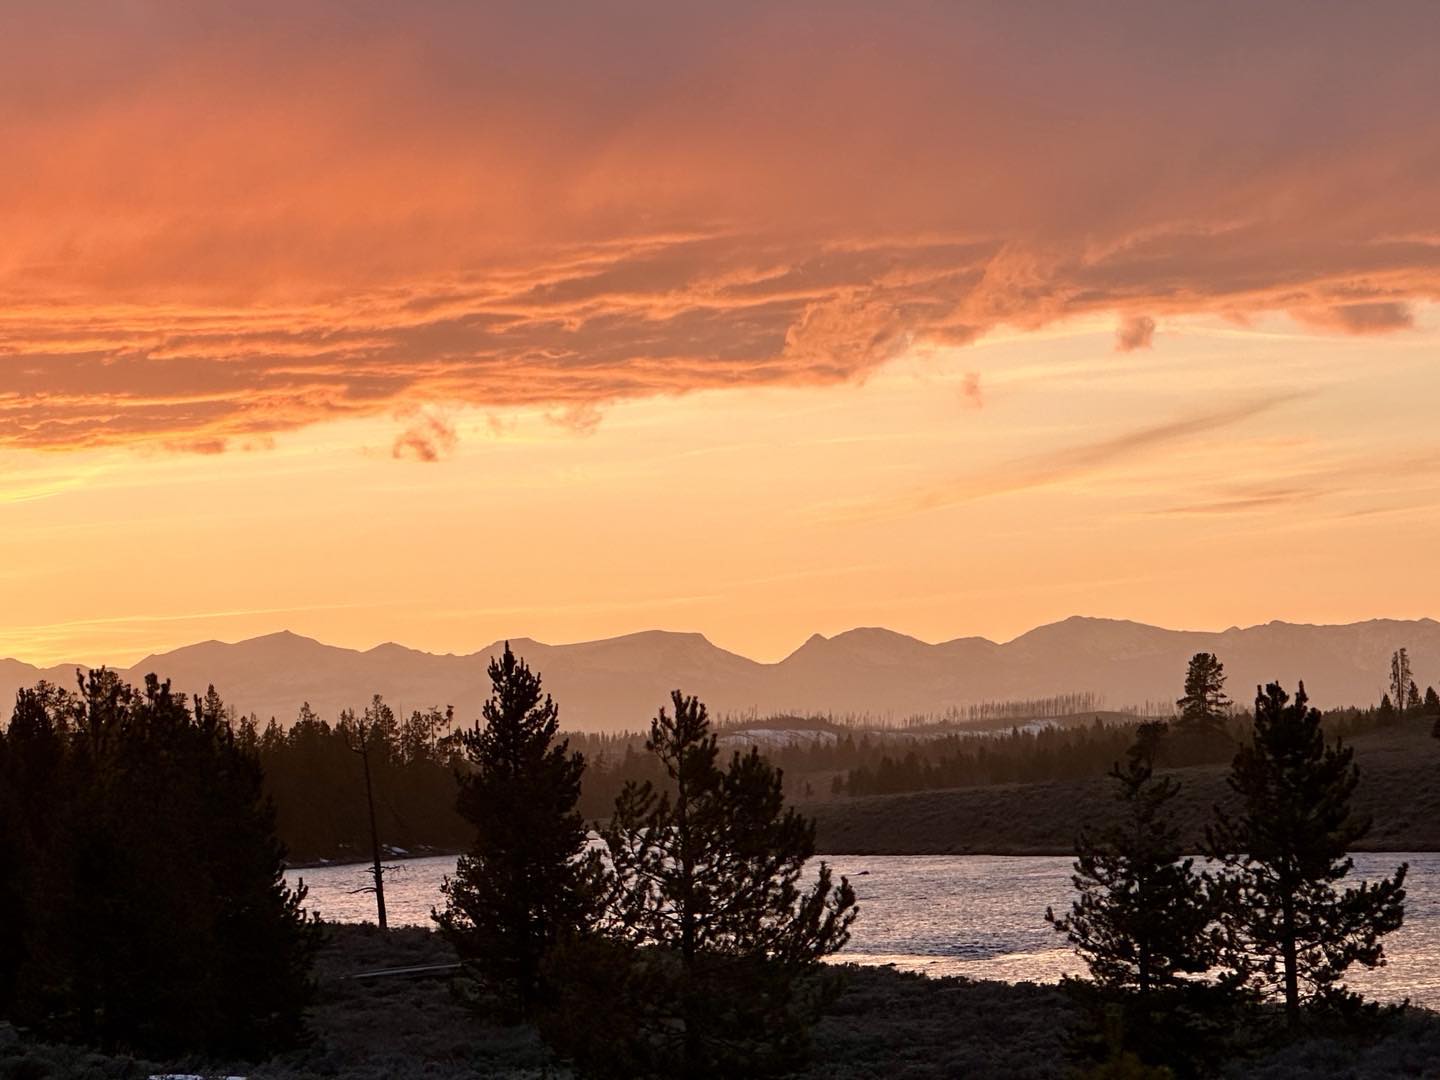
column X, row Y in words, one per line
column 1400, row 681
column 1385, row 715
column 1291, row 930
column 1431, row 707
column 1200, row 732
column 705, row 883
column 527, row 880
column 1143, row 919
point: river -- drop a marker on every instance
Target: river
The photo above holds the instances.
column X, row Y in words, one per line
column 981, row 916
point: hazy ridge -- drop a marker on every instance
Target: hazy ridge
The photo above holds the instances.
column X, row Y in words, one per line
column 618, row 682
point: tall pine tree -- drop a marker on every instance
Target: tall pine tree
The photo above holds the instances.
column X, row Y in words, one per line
column 1292, row 930
column 1143, row 919
column 1401, row 681
column 1204, row 709
column 707, row 874
column 527, row 880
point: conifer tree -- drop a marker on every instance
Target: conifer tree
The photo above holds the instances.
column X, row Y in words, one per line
column 1143, row 919
column 1292, row 930
column 1431, row 707
column 1385, row 715
column 707, row 873
column 1401, row 681
column 527, row 881
column 1204, row 708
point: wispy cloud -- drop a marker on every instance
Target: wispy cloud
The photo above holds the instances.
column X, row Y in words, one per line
column 1246, row 503
column 1400, row 476
column 1060, row 466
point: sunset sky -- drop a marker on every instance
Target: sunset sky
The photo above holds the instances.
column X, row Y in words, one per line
column 442, row 322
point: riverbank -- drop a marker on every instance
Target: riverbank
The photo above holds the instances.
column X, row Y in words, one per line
column 885, row 1024
column 392, row 855
column 1397, row 792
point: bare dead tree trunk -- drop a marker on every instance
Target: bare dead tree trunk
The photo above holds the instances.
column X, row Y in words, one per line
column 377, row 870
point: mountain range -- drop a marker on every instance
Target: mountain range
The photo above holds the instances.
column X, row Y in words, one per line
column 618, row 683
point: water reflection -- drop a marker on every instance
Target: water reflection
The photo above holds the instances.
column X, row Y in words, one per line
column 980, row 916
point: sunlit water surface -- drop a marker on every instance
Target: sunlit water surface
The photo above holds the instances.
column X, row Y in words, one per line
column 981, row 916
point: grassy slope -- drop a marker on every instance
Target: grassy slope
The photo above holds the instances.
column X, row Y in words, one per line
column 1399, row 789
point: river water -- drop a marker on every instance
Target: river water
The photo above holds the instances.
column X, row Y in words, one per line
column 981, row 916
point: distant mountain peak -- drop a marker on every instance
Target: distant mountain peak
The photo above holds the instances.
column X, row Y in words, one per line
column 693, row 637
column 874, row 633
column 390, row 647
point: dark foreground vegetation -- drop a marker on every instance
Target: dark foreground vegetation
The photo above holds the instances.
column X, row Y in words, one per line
column 884, row 1025
column 148, row 915
column 142, row 895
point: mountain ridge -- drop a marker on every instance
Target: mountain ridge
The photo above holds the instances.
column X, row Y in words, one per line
column 618, row 682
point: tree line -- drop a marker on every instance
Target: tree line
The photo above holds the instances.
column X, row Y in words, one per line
column 316, row 782
column 143, row 903
column 314, row 776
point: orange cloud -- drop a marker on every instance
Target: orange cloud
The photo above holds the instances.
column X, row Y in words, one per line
column 221, row 225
